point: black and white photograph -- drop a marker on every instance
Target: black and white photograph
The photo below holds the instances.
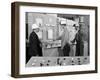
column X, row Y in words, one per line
column 57, row 39
column 52, row 39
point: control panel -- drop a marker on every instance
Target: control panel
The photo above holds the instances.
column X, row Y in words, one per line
column 57, row 61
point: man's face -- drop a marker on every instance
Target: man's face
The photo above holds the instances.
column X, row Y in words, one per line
column 36, row 30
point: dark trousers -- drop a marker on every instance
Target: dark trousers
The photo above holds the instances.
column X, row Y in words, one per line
column 79, row 49
column 66, row 50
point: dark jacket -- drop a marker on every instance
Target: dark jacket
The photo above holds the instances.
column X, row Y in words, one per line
column 34, row 45
column 80, row 44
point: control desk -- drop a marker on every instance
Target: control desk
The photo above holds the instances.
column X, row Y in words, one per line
column 57, row 61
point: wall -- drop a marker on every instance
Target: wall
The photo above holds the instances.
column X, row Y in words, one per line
column 44, row 20
column 5, row 40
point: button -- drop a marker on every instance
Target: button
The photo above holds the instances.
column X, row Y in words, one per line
column 48, row 60
column 85, row 58
column 33, row 64
column 64, row 59
column 78, row 58
column 47, row 64
column 72, row 58
column 41, row 64
column 64, row 64
column 73, row 64
column 72, row 61
column 43, row 61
